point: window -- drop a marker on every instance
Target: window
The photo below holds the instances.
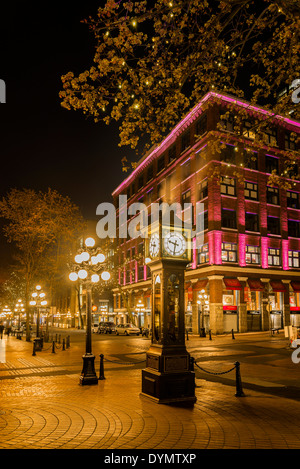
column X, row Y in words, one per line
column 185, row 140
column 250, row 159
column 272, row 195
column 290, row 143
column 251, row 190
column 271, row 164
column 186, row 197
column 202, row 221
column 161, row 189
column 248, row 130
column 141, row 248
column 252, row 255
column 274, row 257
column 228, row 123
column 293, row 228
column 140, row 182
column 149, row 173
column 140, row 272
column 160, row 163
column 294, row 259
column 228, row 186
column 292, row 171
column 201, row 125
column 270, row 136
column 229, row 252
column 228, row 218
column 172, row 153
column 203, row 254
column 228, row 154
column 150, row 196
column 292, row 199
column 203, row 190
column 273, row 225
column 251, row 222
column 186, row 169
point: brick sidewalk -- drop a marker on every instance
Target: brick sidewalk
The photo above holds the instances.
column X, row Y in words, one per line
column 44, row 407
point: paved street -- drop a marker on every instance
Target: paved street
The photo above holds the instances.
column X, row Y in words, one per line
column 43, row 406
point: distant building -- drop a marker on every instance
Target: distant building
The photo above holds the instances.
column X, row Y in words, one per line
column 249, row 261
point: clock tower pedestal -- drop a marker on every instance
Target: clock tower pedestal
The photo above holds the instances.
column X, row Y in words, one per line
column 168, row 377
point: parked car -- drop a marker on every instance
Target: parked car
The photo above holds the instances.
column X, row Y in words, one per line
column 95, row 327
column 106, row 327
column 127, row 329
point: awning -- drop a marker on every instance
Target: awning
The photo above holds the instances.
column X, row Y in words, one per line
column 256, row 285
column 200, row 284
column 232, row 284
column 296, row 286
column 277, row 286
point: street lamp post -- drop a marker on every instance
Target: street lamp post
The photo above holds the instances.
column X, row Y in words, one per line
column 88, row 264
column 202, row 300
column 19, row 308
column 38, row 301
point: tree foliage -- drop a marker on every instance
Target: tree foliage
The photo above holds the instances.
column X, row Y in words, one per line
column 155, row 60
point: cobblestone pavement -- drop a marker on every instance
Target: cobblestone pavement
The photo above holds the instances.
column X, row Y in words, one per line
column 42, row 406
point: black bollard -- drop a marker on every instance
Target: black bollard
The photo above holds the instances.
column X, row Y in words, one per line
column 232, row 333
column 187, row 335
column 53, row 346
column 192, row 361
column 210, row 334
column 101, row 375
column 239, row 389
column 33, row 352
column 63, row 345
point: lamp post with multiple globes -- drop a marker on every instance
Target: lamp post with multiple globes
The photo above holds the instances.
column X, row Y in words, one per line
column 202, row 300
column 19, row 308
column 89, row 263
column 38, row 301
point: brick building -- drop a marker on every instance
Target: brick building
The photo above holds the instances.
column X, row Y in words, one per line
column 248, row 262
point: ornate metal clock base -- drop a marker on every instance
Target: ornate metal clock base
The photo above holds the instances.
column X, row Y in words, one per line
column 168, row 378
column 88, row 374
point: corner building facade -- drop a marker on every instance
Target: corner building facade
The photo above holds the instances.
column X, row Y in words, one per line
column 246, row 265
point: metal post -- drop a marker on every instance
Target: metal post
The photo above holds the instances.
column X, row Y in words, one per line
column 239, row 389
column 53, row 346
column 33, row 352
column 232, row 333
column 88, row 374
column 209, row 334
column 101, row 374
column 63, row 344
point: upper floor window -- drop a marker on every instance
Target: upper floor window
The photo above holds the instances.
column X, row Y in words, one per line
column 250, row 159
column 251, row 222
column 203, row 254
column 228, row 154
column 293, row 228
column 272, row 164
column 273, row 225
column 202, row 221
column 248, row 130
column 185, row 140
column 292, row 199
column 292, row 171
column 251, row 190
column 228, row 122
column 228, row 218
column 140, row 182
column 186, row 197
column 229, row 252
column 270, row 136
column 203, row 189
column 252, row 254
column 289, row 141
column 160, row 163
column 228, row 186
column 272, row 195
column 201, row 125
column 294, row 259
column 186, row 169
column 274, row 257
column 172, row 153
column 149, row 174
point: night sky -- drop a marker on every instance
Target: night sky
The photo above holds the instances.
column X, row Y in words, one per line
column 42, row 144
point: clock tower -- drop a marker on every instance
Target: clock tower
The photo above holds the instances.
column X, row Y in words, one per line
column 168, row 377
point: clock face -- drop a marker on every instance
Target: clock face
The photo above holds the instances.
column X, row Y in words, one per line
column 175, row 244
column 154, row 245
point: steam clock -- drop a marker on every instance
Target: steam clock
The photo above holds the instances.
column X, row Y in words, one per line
column 168, row 377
